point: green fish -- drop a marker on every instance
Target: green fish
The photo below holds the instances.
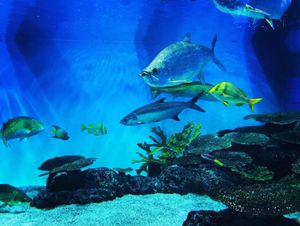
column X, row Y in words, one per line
column 185, row 90
column 20, row 128
column 10, row 195
column 97, row 129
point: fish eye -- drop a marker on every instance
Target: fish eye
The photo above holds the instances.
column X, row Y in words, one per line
column 154, row 71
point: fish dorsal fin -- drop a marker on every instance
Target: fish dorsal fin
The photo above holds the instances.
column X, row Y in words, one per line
column 187, row 37
column 176, row 118
column 160, row 100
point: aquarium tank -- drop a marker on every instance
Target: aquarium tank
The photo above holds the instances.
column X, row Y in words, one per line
column 150, row 112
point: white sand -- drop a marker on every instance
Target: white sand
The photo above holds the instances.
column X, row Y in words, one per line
column 146, row 210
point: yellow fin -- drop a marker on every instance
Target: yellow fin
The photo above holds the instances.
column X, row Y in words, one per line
column 218, row 162
column 252, row 102
column 226, row 103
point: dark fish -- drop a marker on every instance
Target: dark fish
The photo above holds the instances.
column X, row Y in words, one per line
column 59, row 133
column 160, row 110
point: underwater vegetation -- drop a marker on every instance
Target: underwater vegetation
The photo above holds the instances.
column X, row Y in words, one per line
column 163, row 150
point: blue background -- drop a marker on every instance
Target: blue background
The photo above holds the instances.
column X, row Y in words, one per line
column 72, row 62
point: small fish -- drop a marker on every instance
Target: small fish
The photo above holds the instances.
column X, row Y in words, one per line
column 211, row 158
column 185, row 90
column 20, row 128
column 228, row 93
column 180, row 63
column 240, row 8
column 59, row 133
column 10, row 195
column 123, row 171
column 160, row 110
column 96, row 129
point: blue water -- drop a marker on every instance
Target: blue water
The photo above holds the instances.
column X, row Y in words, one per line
column 70, row 62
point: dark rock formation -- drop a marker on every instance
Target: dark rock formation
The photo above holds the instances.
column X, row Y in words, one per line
column 231, row 218
column 96, row 185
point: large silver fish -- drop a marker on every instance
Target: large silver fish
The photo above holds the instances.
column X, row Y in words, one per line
column 256, row 9
column 159, row 110
column 180, row 63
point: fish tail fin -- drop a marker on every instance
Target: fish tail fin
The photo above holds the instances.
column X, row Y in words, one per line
column 216, row 61
column 83, row 127
column 270, row 22
column 193, row 105
column 43, row 174
column 155, row 92
column 254, row 101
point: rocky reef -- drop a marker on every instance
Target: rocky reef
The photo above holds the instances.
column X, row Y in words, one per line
column 253, row 170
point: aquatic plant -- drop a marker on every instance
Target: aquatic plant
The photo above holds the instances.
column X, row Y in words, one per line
column 163, row 150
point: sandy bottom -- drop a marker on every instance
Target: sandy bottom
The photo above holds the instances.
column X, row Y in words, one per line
column 135, row 210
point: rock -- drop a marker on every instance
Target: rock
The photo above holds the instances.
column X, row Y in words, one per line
column 232, row 159
column 96, row 185
column 231, row 218
column 248, row 138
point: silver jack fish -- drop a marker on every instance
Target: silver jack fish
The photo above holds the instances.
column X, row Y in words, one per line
column 159, row 110
column 239, row 8
column 179, row 63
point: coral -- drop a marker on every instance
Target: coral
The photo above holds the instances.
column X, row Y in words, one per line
column 248, row 138
column 253, row 173
column 279, row 118
column 207, row 144
column 296, row 166
column 291, row 137
column 232, row 159
column 163, row 150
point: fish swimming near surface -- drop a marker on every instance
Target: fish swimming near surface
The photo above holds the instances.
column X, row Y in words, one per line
column 96, row 129
column 20, row 128
column 10, row 195
column 59, row 133
column 228, row 94
column 185, row 90
column 159, row 110
column 256, row 9
column 180, row 63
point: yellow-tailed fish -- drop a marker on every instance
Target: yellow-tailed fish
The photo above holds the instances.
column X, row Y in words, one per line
column 96, row 129
column 228, row 94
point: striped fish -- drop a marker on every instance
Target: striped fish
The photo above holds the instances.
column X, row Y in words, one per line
column 96, row 129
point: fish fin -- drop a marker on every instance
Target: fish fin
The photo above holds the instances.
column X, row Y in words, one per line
column 200, row 76
column 23, row 139
column 5, row 142
column 154, row 92
column 187, row 37
column 216, row 61
column 176, row 118
column 270, row 22
column 160, row 100
column 256, row 10
column 226, row 103
column 254, row 101
column 83, row 127
column 44, row 174
column 240, row 104
column 192, row 103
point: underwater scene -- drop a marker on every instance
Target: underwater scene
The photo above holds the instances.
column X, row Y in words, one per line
column 150, row 112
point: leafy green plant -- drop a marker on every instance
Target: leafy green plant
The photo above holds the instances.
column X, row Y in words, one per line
column 164, row 150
